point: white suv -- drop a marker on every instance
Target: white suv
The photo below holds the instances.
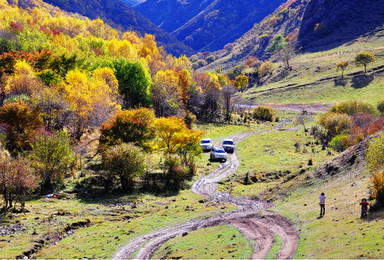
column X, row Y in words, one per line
column 218, row 154
column 206, row 144
column 229, row 145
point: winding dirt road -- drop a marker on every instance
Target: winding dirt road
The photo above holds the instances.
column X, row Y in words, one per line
column 260, row 228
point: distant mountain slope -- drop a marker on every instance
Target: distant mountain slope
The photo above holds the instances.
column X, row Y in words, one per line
column 132, row 2
column 120, row 15
column 210, row 24
column 329, row 23
column 285, row 20
column 171, row 14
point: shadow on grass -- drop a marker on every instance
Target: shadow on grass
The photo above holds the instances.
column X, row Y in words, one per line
column 340, row 82
column 361, row 81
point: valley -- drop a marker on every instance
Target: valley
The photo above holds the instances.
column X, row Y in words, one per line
column 102, row 113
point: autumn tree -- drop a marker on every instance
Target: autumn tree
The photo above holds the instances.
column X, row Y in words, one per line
column 55, row 110
column 17, row 180
column 342, row 65
column 129, row 126
column 241, row 82
column 266, row 68
column 166, row 93
column 53, row 155
column 364, row 58
column 125, row 161
column 176, row 139
column 92, row 99
column 21, row 123
column 208, row 97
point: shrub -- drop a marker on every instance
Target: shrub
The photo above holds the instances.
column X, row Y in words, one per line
column 175, row 172
column 338, row 143
column 375, row 154
column 336, row 123
column 265, row 113
column 352, row 107
column 377, row 182
column 53, row 156
column 380, row 107
column 266, row 68
column 210, row 59
column 125, row 161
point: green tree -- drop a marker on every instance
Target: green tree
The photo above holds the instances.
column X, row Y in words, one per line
column 125, row 161
column 53, row 156
column 278, row 44
column 364, row 58
column 135, row 83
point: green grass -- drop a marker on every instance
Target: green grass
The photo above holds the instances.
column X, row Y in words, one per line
column 108, row 231
column 277, row 246
column 271, row 153
column 340, row 233
column 217, row 242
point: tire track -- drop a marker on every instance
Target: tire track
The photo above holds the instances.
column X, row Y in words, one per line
column 258, row 228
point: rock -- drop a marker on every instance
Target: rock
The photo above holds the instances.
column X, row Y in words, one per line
column 184, row 234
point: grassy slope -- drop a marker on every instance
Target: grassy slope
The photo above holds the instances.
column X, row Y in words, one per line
column 310, row 67
column 340, row 233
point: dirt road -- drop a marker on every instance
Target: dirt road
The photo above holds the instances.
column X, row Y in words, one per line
column 256, row 226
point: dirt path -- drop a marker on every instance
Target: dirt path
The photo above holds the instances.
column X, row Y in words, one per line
column 260, row 228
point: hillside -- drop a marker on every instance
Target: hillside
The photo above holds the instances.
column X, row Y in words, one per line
column 120, row 15
column 208, row 25
column 171, row 14
column 285, row 20
column 328, row 24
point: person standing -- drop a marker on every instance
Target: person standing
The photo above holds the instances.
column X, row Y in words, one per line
column 364, row 207
column 322, row 204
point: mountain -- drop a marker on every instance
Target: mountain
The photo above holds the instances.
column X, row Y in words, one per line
column 285, row 20
column 207, row 25
column 120, row 15
column 328, row 23
column 172, row 14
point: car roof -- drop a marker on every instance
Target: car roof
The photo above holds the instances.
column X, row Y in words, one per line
column 228, row 140
column 206, row 139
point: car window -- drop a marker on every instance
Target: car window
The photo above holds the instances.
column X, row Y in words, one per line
column 220, row 151
column 205, row 141
column 227, row 142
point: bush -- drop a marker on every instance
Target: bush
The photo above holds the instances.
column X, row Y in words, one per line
column 352, row 107
column 266, row 68
column 380, row 107
column 339, row 143
column 125, row 161
column 265, row 113
column 176, row 173
column 210, row 59
column 336, row 123
column 377, row 182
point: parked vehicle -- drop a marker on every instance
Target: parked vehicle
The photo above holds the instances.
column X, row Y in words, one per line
column 206, row 144
column 229, row 145
column 218, row 154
